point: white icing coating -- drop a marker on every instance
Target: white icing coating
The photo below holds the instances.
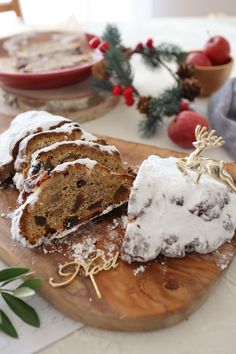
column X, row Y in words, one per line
column 24, row 124
column 88, row 136
column 172, row 215
column 67, row 129
column 18, row 180
column 87, row 162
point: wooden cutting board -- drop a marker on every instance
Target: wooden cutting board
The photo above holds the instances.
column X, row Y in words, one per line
column 166, row 292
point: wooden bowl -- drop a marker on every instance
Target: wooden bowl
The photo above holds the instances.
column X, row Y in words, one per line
column 212, row 78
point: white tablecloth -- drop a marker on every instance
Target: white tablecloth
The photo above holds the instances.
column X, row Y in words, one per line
column 212, row 329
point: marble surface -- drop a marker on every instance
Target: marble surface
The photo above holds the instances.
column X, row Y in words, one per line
column 212, row 329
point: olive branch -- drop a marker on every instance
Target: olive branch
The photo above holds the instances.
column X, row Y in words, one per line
column 13, row 298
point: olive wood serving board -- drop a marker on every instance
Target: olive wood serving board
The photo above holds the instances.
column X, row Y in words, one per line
column 166, row 292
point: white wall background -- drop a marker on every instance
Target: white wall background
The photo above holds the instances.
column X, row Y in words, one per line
column 193, row 7
column 44, row 12
column 55, row 11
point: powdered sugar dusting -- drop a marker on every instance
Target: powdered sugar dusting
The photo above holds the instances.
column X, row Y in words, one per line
column 24, row 124
column 87, row 162
column 166, row 218
column 84, row 250
column 223, row 258
column 139, row 270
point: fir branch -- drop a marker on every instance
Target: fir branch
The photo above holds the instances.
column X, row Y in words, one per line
column 150, row 58
column 168, row 101
column 148, row 126
column 102, row 85
column 117, row 59
column 118, row 66
column 165, row 105
column 155, row 57
column 112, row 35
column 170, row 52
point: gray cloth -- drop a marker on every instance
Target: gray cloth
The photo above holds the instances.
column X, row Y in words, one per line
column 222, row 114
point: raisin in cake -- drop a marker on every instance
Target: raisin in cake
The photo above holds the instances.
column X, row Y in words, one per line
column 73, row 193
column 20, row 127
column 169, row 214
column 34, row 142
column 48, row 158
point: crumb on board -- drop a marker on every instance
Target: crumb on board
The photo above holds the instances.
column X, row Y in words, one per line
column 83, row 250
column 6, row 215
column 139, row 270
column 223, row 259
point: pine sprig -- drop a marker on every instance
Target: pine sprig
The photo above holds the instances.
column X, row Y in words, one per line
column 148, row 126
column 165, row 105
column 115, row 76
column 102, row 85
column 117, row 63
column 164, row 52
column 168, row 101
column 170, row 52
column 13, row 298
column 118, row 66
column 152, row 61
column 112, row 35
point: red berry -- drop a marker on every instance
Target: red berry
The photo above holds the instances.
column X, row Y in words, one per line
column 181, row 130
column 117, row 90
column 149, row 43
column 129, row 100
column 103, row 47
column 139, row 47
column 183, row 106
column 94, row 42
column 128, row 91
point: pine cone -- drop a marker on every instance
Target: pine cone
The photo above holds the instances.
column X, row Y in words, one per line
column 99, row 71
column 185, row 71
column 191, row 88
column 143, row 104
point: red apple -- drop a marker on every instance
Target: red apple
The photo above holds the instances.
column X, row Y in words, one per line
column 217, row 49
column 198, row 59
column 182, row 129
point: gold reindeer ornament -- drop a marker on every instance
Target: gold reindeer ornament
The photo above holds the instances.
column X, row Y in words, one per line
column 201, row 165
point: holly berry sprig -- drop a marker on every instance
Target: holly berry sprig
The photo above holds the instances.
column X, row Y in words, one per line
column 114, row 75
column 96, row 42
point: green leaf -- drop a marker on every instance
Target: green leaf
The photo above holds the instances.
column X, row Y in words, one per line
column 23, row 292
column 10, row 273
column 21, row 309
column 31, row 283
column 6, row 325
